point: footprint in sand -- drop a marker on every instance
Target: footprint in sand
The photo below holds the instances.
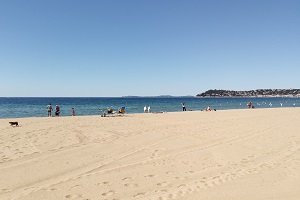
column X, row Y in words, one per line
column 103, row 183
column 162, row 184
column 163, row 191
column 169, row 172
column 138, row 195
column 75, row 186
column 149, row 176
column 73, row 196
column 51, row 189
column 131, row 185
column 154, row 153
column 5, row 190
column 181, row 186
column 109, row 193
column 126, row 178
column 180, row 193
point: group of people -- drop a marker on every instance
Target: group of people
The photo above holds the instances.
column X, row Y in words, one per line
column 207, row 109
column 50, row 109
column 210, row 109
column 57, row 110
column 147, row 109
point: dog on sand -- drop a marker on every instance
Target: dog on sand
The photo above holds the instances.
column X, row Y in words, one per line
column 14, row 123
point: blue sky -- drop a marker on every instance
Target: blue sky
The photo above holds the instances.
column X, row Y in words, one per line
column 143, row 47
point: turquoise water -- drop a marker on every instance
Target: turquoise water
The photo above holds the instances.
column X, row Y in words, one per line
column 36, row 107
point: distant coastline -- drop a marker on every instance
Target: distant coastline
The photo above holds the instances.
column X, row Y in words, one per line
column 251, row 93
column 160, row 96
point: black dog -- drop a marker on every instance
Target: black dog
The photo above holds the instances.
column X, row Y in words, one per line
column 14, row 123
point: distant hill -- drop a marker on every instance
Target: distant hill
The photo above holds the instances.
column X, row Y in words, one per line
column 252, row 93
column 160, row 96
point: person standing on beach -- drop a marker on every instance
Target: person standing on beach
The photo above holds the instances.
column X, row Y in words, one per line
column 57, row 110
column 49, row 109
column 183, row 107
column 148, row 109
column 145, row 109
column 249, row 104
column 73, row 112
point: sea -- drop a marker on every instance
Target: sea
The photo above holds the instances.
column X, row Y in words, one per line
column 16, row 107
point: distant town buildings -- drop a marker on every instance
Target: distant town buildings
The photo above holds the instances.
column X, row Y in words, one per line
column 252, row 93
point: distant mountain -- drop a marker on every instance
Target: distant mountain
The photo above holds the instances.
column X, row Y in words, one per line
column 252, row 93
column 130, row 96
column 160, row 96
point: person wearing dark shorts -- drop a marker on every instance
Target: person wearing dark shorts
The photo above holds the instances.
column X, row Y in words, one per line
column 57, row 110
column 49, row 109
column 73, row 112
column 183, row 107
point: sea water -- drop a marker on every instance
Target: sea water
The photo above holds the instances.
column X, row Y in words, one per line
column 13, row 107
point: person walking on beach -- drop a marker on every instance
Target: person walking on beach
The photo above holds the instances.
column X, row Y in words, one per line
column 183, row 107
column 49, row 109
column 145, row 109
column 57, row 110
column 148, row 109
column 73, row 112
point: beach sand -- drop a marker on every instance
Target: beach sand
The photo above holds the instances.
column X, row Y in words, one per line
column 223, row 155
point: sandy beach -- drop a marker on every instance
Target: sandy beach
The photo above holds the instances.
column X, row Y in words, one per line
column 223, row 155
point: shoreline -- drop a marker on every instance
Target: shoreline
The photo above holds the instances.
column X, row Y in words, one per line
column 136, row 114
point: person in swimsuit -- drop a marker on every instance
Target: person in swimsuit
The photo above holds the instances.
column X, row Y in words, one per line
column 49, row 109
column 57, row 110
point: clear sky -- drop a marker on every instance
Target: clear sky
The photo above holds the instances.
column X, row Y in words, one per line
column 147, row 47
